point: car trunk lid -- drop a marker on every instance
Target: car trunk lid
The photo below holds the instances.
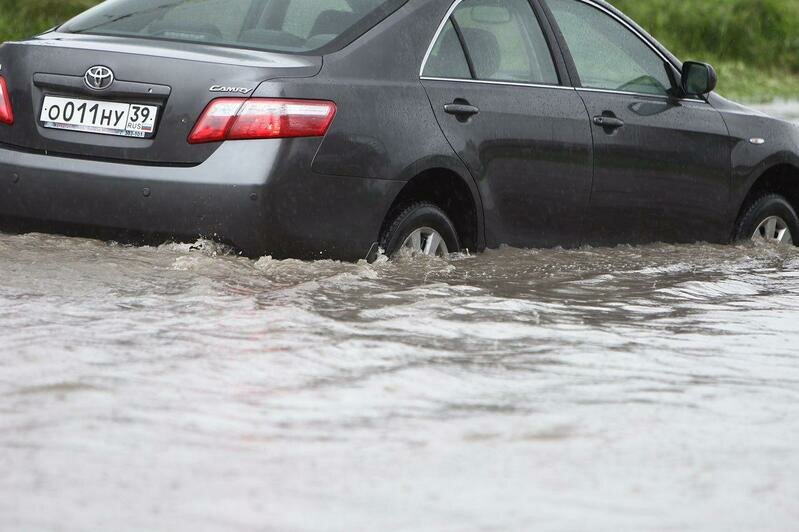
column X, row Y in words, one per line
column 178, row 78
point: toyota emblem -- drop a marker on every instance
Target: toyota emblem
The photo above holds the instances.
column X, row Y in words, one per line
column 99, row 78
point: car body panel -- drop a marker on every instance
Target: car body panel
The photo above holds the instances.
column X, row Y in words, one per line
column 665, row 175
column 750, row 161
column 177, row 81
column 530, row 149
column 267, row 203
column 389, row 126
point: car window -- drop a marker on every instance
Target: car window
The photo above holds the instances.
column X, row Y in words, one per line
column 303, row 16
column 279, row 25
column 447, row 59
column 606, row 53
column 505, row 41
column 227, row 16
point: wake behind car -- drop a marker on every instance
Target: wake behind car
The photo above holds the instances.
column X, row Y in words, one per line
column 335, row 128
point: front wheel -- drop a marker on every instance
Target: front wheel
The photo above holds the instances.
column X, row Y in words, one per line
column 769, row 219
column 422, row 229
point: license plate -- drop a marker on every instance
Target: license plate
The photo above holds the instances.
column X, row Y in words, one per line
column 107, row 118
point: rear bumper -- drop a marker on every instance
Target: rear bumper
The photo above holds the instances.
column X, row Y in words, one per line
column 261, row 196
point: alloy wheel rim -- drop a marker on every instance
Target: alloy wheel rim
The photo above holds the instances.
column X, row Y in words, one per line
column 773, row 229
column 426, row 241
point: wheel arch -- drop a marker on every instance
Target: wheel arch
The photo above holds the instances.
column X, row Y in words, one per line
column 778, row 177
column 450, row 186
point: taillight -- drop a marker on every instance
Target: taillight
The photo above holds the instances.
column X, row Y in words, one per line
column 215, row 122
column 6, row 114
column 262, row 118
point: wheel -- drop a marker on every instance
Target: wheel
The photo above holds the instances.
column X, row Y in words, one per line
column 769, row 219
column 421, row 228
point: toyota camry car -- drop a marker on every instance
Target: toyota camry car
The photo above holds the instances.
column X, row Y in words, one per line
column 337, row 128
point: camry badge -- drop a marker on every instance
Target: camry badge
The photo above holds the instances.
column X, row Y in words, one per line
column 99, row 78
column 221, row 88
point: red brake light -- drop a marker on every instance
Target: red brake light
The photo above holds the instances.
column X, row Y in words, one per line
column 262, row 118
column 6, row 114
column 216, row 120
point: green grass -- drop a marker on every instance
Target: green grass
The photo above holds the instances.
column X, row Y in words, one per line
column 744, row 82
column 23, row 18
column 754, row 44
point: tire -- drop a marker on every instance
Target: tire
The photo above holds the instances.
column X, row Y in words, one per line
column 768, row 207
column 418, row 217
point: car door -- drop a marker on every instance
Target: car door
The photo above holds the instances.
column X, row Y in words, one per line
column 661, row 162
column 496, row 91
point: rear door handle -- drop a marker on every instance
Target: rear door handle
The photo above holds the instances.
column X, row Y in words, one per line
column 461, row 109
column 608, row 122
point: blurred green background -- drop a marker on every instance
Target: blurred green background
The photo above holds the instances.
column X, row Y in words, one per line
column 754, row 44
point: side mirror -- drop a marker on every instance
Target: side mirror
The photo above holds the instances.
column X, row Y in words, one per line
column 698, row 79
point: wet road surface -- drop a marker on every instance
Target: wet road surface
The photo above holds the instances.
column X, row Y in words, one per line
column 179, row 389
column 169, row 389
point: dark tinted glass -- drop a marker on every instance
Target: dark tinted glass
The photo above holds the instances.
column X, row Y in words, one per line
column 606, row 53
column 280, row 25
column 447, row 60
column 505, row 42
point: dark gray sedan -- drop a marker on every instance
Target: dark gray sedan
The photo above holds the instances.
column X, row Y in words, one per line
column 335, row 128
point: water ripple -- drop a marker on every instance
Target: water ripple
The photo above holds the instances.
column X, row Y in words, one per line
column 185, row 388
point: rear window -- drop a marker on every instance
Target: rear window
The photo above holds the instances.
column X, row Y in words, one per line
column 277, row 25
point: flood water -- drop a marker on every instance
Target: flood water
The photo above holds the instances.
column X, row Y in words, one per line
column 181, row 388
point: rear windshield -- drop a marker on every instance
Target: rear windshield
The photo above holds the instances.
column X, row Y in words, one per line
column 277, row 25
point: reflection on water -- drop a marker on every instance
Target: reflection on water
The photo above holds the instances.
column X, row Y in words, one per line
column 605, row 389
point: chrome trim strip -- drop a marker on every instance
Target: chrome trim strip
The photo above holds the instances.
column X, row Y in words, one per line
column 641, row 94
column 561, row 87
column 506, row 83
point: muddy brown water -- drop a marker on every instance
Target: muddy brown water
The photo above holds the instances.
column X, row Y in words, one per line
column 179, row 388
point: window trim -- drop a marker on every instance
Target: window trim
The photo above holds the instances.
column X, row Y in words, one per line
column 440, row 30
column 502, row 83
